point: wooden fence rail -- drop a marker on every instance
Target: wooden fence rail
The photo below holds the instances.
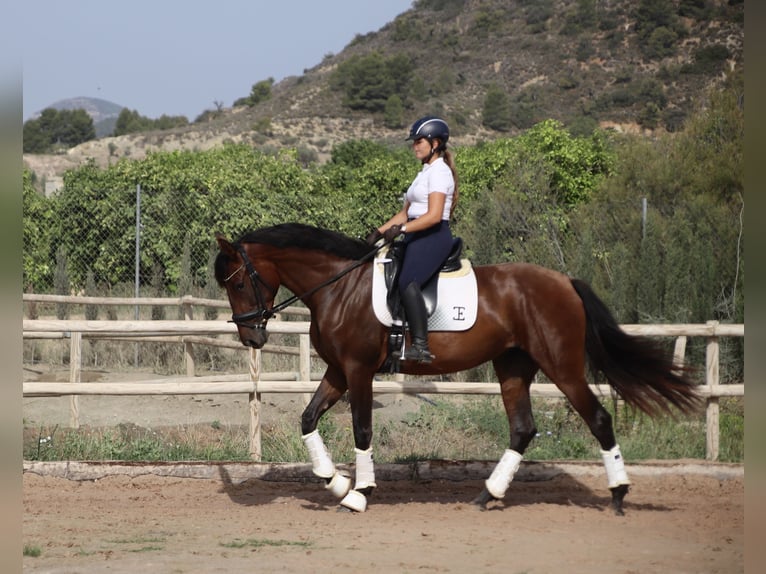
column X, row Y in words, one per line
column 255, row 382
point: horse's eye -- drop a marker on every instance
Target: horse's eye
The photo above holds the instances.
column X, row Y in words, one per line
column 240, row 286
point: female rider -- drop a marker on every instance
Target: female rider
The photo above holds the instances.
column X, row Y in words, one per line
column 424, row 222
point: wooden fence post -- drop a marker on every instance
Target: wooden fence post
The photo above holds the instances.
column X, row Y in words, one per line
column 712, row 378
column 679, row 351
column 188, row 346
column 255, row 405
column 304, row 364
column 75, row 376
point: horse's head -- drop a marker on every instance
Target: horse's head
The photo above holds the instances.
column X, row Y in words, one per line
column 251, row 290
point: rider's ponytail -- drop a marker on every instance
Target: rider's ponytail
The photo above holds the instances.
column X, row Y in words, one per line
column 450, row 161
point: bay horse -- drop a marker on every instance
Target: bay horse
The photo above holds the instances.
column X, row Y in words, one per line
column 529, row 318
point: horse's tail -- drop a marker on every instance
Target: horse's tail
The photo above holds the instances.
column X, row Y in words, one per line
column 636, row 367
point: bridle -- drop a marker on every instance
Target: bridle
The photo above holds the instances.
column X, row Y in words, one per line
column 259, row 317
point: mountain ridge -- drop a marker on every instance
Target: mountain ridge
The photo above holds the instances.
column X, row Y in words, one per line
column 97, row 108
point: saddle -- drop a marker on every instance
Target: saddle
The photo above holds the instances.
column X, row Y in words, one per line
column 429, row 289
column 392, row 268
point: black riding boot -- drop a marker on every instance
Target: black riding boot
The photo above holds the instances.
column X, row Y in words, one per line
column 417, row 319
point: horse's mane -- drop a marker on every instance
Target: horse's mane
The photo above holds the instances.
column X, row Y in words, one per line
column 303, row 236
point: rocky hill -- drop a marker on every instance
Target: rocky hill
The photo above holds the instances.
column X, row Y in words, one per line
column 637, row 66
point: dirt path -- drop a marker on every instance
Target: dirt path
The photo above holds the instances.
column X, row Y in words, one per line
column 120, row 524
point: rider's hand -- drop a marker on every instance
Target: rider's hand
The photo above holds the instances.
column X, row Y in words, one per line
column 374, row 236
column 392, row 233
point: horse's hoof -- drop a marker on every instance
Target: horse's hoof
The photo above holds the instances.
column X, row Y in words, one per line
column 355, row 501
column 481, row 501
column 618, row 495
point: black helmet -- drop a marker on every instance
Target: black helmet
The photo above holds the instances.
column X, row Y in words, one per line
column 430, row 127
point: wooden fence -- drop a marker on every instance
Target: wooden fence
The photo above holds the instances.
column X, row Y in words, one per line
column 255, row 382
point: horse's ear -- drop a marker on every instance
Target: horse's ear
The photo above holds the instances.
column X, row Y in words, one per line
column 224, row 245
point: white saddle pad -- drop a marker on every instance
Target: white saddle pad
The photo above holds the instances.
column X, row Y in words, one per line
column 457, row 297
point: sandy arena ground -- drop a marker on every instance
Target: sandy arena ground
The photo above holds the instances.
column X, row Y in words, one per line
column 675, row 521
column 120, row 524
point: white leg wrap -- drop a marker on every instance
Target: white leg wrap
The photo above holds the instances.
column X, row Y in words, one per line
column 355, row 500
column 365, row 478
column 501, row 477
column 339, row 485
column 320, row 459
column 615, row 467
column 365, row 471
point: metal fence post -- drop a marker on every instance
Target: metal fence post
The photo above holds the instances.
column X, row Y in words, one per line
column 137, row 262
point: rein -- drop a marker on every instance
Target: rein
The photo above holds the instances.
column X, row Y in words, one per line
column 263, row 315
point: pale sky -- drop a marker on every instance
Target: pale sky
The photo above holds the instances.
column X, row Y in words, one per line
column 180, row 57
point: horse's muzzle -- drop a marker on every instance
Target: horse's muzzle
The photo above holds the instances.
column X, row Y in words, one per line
column 255, row 337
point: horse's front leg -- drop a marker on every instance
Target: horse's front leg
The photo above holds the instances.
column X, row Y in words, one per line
column 360, row 397
column 328, row 392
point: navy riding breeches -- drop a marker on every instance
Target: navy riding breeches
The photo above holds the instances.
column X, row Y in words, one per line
column 425, row 252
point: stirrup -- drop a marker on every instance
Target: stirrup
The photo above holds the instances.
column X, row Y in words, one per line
column 418, row 353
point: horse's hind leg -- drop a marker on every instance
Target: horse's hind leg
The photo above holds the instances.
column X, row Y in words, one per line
column 515, row 369
column 599, row 422
column 328, row 392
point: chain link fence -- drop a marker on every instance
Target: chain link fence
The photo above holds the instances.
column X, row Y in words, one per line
column 650, row 263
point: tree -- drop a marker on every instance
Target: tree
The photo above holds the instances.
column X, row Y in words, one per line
column 36, row 140
column 165, row 122
column 66, row 128
column 130, row 122
column 75, row 127
column 496, row 113
column 394, row 112
column 37, row 224
column 368, row 81
column 260, row 92
column 658, row 27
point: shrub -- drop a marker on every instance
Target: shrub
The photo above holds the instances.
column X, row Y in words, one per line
column 660, row 44
column 707, row 60
column 697, row 9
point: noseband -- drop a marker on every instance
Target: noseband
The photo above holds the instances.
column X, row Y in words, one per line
column 257, row 318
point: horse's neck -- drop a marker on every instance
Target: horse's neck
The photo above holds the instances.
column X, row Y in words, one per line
column 306, row 275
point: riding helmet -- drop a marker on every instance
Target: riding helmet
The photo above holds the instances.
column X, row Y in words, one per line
column 430, row 127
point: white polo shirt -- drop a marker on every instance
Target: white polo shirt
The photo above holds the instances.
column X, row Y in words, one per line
column 434, row 177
